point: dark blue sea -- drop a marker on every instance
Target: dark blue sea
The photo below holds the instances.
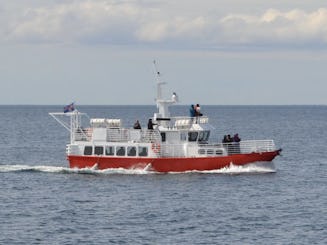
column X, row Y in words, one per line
column 44, row 202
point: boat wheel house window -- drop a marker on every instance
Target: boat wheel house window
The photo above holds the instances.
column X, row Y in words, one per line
column 143, row 151
column 203, row 136
column 192, row 136
column 163, row 137
column 110, row 150
column 88, row 150
column 120, row 151
column 98, row 150
column 131, row 151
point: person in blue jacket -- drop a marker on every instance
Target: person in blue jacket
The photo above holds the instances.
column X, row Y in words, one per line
column 192, row 111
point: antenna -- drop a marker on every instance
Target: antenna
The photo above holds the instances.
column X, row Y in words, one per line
column 159, row 82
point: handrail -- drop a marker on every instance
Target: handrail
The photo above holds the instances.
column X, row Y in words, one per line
column 245, row 146
column 121, row 135
column 221, row 149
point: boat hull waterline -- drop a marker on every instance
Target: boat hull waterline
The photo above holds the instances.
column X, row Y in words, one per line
column 173, row 164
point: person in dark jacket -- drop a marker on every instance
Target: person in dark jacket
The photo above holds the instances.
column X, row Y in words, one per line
column 150, row 124
column 137, row 125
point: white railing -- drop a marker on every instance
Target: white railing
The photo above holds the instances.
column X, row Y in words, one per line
column 246, row 146
column 249, row 146
column 182, row 122
column 134, row 135
column 83, row 134
column 220, row 149
column 120, row 135
column 186, row 122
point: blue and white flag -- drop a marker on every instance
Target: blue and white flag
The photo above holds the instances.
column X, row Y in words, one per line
column 69, row 108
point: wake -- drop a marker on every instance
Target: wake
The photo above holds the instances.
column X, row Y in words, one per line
column 259, row 167
column 66, row 170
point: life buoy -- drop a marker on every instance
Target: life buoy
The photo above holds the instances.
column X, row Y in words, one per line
column 155, row 147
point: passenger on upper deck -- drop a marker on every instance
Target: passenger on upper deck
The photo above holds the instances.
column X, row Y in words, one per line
column 236, row 138
column 192, row 111
column 197, row 110
column 227, row 139
column 150, row 124
column 137, row 125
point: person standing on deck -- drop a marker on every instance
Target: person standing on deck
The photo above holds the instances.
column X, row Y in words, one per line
column 150, row 124
column 137, row 125
column 192, row 111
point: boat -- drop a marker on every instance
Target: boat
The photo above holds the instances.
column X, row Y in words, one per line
column 169, row 144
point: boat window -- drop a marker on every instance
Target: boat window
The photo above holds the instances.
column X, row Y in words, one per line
column 210, row 151
column 206, row 135
column 98, row 150
column 201, row 151
column 120, row 151
column 192, row 136
column 88, row 150
column 203, row 136
column 131, row 151
column 219, row 152
column 143, row 151
column 110, row 150
column 163, row 137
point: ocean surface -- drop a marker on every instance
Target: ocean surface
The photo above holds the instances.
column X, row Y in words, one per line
column 44, row 202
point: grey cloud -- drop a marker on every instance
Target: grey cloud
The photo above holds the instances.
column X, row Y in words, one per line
column 130, row 22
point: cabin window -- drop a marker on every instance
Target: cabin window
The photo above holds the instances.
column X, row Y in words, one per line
column 207, row 134
column 192, row 136
column 131, row 151
column 201, row 151
column 98, row 150
column 219, row 152
column 88, row 150
column 210, row 151
column 183, row 136
column 203, row 136
column 120, row 151
column 143, row 151
column 110, row 150
column 163, row 137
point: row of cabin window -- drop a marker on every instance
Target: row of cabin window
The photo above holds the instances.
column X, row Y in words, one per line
column 119, row 150
column 201, row 136
column 210, row 152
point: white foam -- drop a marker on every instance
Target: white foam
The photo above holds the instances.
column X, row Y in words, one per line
column 259, row 167
column 20, row 168
column 55, row 169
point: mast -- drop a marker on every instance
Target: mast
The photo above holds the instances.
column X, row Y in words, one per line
column 159, row 82
column 162, row 104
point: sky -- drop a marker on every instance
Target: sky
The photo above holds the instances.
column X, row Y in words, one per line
column 212, row 52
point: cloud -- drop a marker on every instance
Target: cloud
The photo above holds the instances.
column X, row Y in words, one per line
column 276, row 27
column 137, row 22
column 75, row 22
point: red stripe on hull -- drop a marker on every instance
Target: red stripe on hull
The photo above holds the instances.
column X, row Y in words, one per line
column 170, row 164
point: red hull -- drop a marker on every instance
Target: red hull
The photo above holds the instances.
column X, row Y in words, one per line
column 170, row 164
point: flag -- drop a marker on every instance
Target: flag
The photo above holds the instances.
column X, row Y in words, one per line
column 69, row 108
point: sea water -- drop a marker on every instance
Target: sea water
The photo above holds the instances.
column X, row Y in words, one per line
column 42, row 201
